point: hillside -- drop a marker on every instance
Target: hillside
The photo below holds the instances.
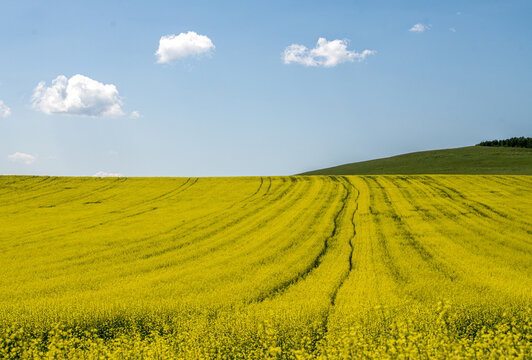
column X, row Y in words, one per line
column 300, row 267
column 465, row 160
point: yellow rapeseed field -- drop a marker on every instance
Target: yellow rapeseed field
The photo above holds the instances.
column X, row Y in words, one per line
column 303, row 267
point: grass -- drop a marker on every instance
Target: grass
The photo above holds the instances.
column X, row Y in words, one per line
column 465, row 160
column 304, row 267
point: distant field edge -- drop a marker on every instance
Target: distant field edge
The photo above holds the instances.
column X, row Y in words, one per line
column 470, row 160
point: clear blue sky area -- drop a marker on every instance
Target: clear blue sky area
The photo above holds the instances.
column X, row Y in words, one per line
column 239, row 109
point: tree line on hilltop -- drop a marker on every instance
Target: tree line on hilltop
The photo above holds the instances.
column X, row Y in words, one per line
column 524, row 142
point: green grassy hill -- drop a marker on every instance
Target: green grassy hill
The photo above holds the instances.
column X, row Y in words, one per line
column 465, row 160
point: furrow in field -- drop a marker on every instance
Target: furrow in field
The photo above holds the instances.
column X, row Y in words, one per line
column 60, row 197
column 58, row 230
column 250, row 262
column 473, row 205
column 406, row 231
column 37, row 184
column 512, row 181
column 92, row 253
column 280, row 288
column 205, row 218
column 497, row 259
column 59, row 189
column 482, row 250
column 514, row 187
column 351, row 239
column 230, row 233
column 489, row 222
column 389, row 261
column 171, row 193
column 165, row 265
column 231, row 223
column 309, row 299
column 141, row 243
column 10, row 183
column 347, row 273
column 180, row 189
column 255, row 193
column 99, row 217
column 269, row 186
column 203, row 242
column 37, row 230
column 84, row 196
column 458, row 214
column 513, row 213
column 302, row 222
column 372, row 281
column 16, row 197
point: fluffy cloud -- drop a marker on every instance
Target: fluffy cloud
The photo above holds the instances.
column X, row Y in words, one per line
column 5, row 111
column 326, row 53
column 419, row 28
column 452, row 29
column 135, row 115
column 183, row 45
column 21, row 158
column 107, row 174
column 79, row 95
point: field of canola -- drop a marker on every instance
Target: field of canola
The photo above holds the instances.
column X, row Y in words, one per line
column 315, row 267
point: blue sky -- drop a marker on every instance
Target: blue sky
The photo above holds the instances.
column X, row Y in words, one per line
column 238, row 108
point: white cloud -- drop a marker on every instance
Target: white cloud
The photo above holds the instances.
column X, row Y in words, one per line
column 298, row 54
column 5, row 111
column 78, row 95
column 420, row 28
column 183, row 45
column 452, row 29
column 107, row 174
column 22, row 158
column 135, row 115
column 326, row 53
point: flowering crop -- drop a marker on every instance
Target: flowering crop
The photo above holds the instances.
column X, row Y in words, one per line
column 304, row 267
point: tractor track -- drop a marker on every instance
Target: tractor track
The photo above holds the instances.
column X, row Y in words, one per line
column 284, row 286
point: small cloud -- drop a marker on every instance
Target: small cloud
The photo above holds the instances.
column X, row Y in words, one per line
column 79, row 95
column 452, row 29
column 184, row 45
column 23, row 158
column 458, row 13
column 135, row 115
column 420, row 28
column 325, row 53
column 107, row 174
column 5, row 111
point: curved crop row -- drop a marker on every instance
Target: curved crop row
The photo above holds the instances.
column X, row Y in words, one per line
column 299, row 267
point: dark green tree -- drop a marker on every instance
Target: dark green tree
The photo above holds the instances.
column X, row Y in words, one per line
column 522, row 142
